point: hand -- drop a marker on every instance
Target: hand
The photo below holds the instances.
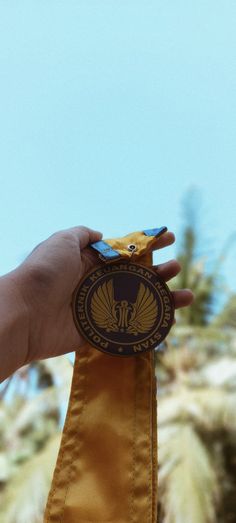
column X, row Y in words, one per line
column 47, row 279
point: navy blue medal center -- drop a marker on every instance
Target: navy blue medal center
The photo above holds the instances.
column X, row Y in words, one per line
column 123, row 308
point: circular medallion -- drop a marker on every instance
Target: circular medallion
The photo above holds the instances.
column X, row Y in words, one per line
column 123, row 308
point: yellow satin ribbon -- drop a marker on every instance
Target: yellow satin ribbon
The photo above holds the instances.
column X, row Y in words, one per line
column 106, row 471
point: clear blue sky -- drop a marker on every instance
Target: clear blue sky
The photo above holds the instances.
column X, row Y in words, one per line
column 109, row 112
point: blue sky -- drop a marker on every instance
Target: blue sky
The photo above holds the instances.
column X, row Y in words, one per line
column 109, row 112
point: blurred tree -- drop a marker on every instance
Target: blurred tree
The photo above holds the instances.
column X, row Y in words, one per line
column 227, row 317
column 194, row 274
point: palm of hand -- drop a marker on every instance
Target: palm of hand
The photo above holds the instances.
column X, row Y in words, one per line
column 50, row 275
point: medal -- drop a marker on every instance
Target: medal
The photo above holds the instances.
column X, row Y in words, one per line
column 106, row 469
column 123, row 308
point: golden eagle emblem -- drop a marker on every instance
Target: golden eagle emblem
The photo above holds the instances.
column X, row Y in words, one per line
column 123, row 316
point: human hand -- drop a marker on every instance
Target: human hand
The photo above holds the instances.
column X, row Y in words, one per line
column 47, row 279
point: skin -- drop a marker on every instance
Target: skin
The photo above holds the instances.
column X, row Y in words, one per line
column 36, row 319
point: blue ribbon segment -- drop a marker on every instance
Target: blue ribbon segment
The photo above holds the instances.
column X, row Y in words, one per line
column 105, row 250
column 155, row 232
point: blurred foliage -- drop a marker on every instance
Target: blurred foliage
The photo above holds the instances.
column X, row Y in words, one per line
column 227, row 317
column 32, row 410
column 197, row 426
column 197, row 392
column 204, row 279
column 196, row 410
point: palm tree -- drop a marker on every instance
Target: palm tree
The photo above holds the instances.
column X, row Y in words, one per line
column 194, row 275
column 204, row 278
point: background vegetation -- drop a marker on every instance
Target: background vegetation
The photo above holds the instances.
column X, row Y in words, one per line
column 196, row 409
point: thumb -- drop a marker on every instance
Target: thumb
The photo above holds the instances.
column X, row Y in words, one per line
column 86, row 235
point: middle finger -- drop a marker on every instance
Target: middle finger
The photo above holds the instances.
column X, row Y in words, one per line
column 168, row 269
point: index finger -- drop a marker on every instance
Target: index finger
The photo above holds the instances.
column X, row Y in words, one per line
column 164, row 241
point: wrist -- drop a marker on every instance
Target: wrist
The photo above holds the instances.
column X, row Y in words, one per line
column 14, row 325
